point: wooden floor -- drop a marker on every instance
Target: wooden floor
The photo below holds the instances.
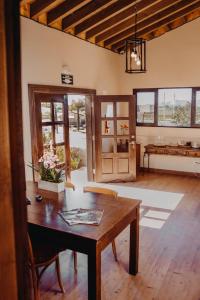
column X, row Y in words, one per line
column 169, row 267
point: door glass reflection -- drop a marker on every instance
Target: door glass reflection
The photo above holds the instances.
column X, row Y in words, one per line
column 107, row 127
column 107, row 145
column 122, row 145
column 107, row 110
column 122, row 109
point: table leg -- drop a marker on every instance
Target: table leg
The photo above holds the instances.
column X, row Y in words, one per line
column 148, row 161
column 134, row 245
column 94, row 275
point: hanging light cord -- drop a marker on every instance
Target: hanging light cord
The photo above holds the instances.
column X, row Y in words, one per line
column 135, row 20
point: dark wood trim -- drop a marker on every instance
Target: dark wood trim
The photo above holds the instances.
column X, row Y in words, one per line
column 106, row 12
column 14, row 283
column 63, row 8
column 129, row 32
column 35, row 90
column 172, row 172
column 82, row 12
column 146, row 11
column 155, row 124
column 117, row 18
column 39, row 6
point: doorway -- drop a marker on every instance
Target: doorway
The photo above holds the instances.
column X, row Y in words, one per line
column 78, row 137
column 61, row 119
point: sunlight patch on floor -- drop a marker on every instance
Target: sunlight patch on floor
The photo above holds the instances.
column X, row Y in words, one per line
column 152, row 223
column 157, row 214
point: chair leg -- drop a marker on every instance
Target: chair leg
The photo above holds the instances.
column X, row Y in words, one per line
column 75, row 260
column 35, row 284
column 59, row 275
column 114, row 250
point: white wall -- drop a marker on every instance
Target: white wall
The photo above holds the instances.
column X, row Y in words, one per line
column 45, row 50
column 173, row 60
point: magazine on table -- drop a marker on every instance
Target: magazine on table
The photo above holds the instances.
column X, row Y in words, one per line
column 82, row 216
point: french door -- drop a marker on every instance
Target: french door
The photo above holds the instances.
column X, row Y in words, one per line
column 52, row 129
column 115, row 147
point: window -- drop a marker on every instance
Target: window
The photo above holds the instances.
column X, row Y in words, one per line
column 168, row 107
column 197, row 107
column 145, row 107
column 174, row 107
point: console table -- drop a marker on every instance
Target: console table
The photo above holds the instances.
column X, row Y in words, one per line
column 170, row 150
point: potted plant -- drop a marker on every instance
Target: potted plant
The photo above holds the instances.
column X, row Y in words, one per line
column 51, row 176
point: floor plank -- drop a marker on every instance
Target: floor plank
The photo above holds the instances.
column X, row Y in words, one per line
column 169, row 267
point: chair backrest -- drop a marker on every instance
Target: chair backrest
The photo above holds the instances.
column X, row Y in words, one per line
column 30, row 252
column 70, row 185
column 99, row 190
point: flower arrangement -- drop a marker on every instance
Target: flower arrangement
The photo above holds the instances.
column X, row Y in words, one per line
column 48, row 168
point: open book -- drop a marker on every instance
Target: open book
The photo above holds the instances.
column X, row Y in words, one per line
column 82, row 216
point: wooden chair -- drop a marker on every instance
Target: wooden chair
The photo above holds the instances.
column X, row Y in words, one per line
column 41, row 255
column 105, row 191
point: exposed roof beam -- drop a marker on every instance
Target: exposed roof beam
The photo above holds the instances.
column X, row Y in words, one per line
column 129, row 22
column 127, row 34
column 173, row 25
column 118, row 17
column 60, row 10
column 39, row 6
column 82, row 12
column 104, row 13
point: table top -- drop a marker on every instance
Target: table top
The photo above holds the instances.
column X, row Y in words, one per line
column 45, row 213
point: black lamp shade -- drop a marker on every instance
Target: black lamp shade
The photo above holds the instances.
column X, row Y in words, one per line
column 136, row 55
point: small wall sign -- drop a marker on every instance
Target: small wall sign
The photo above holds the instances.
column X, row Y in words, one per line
column 67, row 78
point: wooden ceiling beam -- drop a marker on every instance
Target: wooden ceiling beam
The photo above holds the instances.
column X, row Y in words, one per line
column 82, row 13
column 118, row 17
column 128, row 34
column 150, row 10
column 104, row 13
column 173, row 25
column 60, row 10
column 39, row 6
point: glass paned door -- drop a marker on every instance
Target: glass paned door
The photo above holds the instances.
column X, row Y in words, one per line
column 52, row 127
column 115, row 138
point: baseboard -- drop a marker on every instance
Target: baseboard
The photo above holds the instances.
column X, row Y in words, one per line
column 173, row 172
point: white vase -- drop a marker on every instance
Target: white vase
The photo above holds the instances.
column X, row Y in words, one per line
column 51, row 186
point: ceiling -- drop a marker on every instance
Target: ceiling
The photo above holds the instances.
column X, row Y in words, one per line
column 108, row 23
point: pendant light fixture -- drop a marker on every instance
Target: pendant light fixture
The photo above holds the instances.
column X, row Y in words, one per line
column 135, row 51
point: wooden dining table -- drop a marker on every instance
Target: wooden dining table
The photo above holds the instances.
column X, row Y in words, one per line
column 87, row 239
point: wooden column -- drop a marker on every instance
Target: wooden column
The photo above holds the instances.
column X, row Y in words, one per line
column 13, row 257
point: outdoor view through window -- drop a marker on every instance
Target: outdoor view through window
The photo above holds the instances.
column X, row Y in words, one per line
column 173, row 107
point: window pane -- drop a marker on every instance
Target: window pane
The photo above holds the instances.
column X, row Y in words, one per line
column 107, row 127
column 106, row 109
column 59, row 134
column 145, row 107
column 60, row 152
column 197, row 117
column 58, row 111
column 122, row 127
column 47, row 136
column 174, row 107
column 46, row 111
column 107, row 145
column 122, row 145
column 122, row 109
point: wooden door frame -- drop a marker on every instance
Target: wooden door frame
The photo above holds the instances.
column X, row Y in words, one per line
column 34, row 89
column 14, row 279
